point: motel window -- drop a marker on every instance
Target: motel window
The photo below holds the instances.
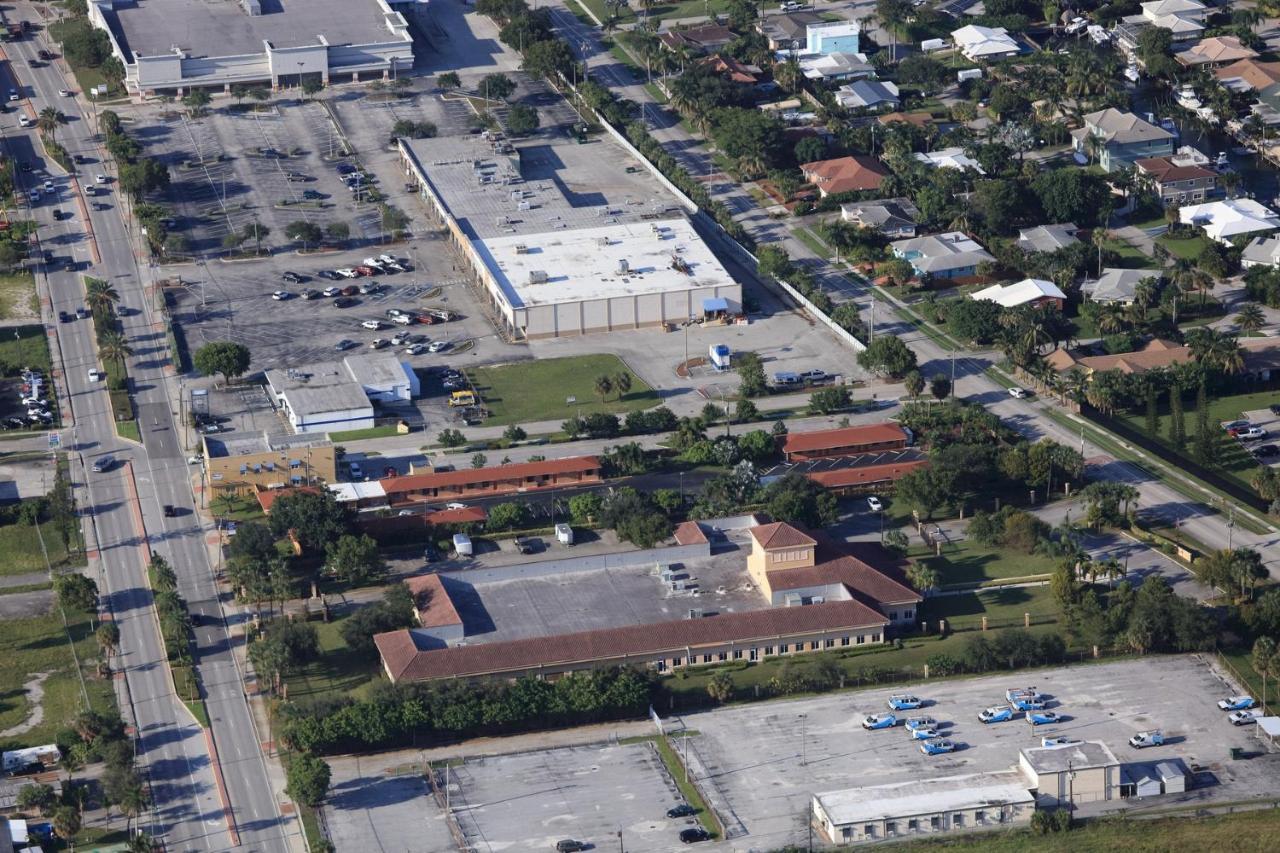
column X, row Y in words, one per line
column 784, row 648
column 827, row 644
column 768, row 650
column 844, row 641
column 661, row 666
column 677, row 661
column 908, row 614
column 935, row 822
column 861, row 639
column 979, row 816
column 891, row 828
column 813, row 647
column 722, row 656
column 847, row 832
column 913, row 825
column 737, row 654
column 957, row 820
column 875, row 638
column 869, row 831
column 706, row 658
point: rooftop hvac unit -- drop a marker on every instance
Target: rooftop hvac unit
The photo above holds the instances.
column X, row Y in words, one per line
column 524, row 205
column 695, row 613
column 537, row 276
column 677, row 586
column 603, row 241
column 818, row 599
column 623, row 266
column 793, row 601
column 667, row 575
column 522, row 249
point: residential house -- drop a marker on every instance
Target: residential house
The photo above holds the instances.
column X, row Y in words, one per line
column 1122, row 138
column 893, row 217
column 979, row 43
column 1048, row 238
column 1233, row 217
column 787, row 32
column 733, row 70
column 1248, row 75
column 1156, row 354
column 845, row 174
column 835, row 67
column 835, row 37
column 1116, row 285
column 1029, row 291
column 950, row 255
column 921, row 120
column 868, row 94
column 1184, row 19
column 1215, row 52
column 1177, row 184
column 1261, row 252
column 702, row 39
column 949, row 158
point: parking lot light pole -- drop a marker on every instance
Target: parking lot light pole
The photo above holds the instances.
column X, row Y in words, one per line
column 804, row 754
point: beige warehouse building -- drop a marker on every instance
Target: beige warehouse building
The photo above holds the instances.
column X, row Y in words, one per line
column 1086, row 772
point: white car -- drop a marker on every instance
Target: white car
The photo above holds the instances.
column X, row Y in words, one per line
column 438, row 346
column 66, row 93
column 102, row 179
column 1244, row 718
column 372, row 324
column 95, row 375
column 24, row 121
column 1253, row 434
column 402, row 320
column 874, row 504
column 455, row 505
column 281, row 295
column 387, row 259
column 416, row 349
column 372, row 262
column 347, row 272
column 1017, row 393
column 378, row 343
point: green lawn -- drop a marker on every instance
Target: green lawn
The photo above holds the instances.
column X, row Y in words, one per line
column 129, row 429
column 86, row 76
column 668, row 750
column 237, row 508
column 338, row 672
column 968, row 562
column 1187, row 248
column 667, row 11
column 361, row 434
column 39, row 644
column 17, row 295
column 1130, row 256
column 1233, row 460
column 20, row 545
column 24, row 346
column 1003, row 607
column 1241, row 831
column 531, row 391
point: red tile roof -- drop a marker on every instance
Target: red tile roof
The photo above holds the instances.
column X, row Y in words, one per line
column 404, row 660
column 845, row 174
column 779, row 534
column 837, row 564
column 435, row 608
column 832, row 439
column 690, row 533
column 267, row 497
column 468, row 514
column 1163, row 169
column 469, row 476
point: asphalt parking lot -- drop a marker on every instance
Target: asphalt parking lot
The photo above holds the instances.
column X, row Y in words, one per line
column 760, row 763
column 380, row 811
column 589, row 793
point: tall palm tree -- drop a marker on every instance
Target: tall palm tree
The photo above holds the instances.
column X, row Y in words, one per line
column 48, row 120
column 100, row 295
column 114, row 347
column 1250, row 319
column 1110, row 318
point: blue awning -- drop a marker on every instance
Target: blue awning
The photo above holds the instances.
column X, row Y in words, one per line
column 718, row 303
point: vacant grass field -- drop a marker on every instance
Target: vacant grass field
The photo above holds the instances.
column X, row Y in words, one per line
column 1233, row 459
column 1186, row 248
column 20, row 545
column 1003, row 607
column 39, row 644
column 18, row 297
column 1243, row 832
column 362, row 434
column 1131, row 257
column 338, row 672
column 968, row 561
column 532, row 391
column 24, row 346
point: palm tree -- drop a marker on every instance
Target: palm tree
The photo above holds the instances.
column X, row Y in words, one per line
column 1110, row 318
column 108, row 636
column 1250, row 319
column 48, row 120
column 1100, row 238
column 114, row 347
column 604, row 386
column 100, row 295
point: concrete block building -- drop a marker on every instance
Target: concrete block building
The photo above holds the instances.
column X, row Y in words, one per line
column 1086, row 772
column 243, row 464
column 173, row 46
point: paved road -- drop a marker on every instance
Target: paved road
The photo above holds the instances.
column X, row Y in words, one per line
column 188, row 809
column 972, row 382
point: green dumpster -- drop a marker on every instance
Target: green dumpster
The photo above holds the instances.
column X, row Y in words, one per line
column 1237, row 753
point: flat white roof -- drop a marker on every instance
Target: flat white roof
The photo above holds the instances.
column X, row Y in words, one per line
column 924, row 797
column 346, row 492
column 585, row 263
column 377, row 369
column 1269, row 726
column 1020, row 293
column 318, row 389
column 1076, row 756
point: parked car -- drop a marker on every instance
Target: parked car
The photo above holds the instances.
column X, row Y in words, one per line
column 350, row 290
column 567, row 845
column 996, row 714
column 64, row 317
column 1026, row 703
column 1021, row 693
column 357, row 473
column 1017, row 393
column 332, row 291
column 1230, row 425
column 328, row 274
column 366, row 271
column 281, row 295
column 814, row 377
column 874, row 504
column 1058, row 741
column 1254, row 434
column 682, row 810
column 439, row 346
column 388, row 259
column 904, row 702
column 923, row 734
column 344, row 345
column 879, row 721
column 293, row 277
column 402, row 320
column 1144, row 739
column 95, row 375
column 1265, row 451
column 694, row 834
column 1244, row 718
column 371, row 324
column 379, row 343
column 346, row 272
column 312, row 195
column 1042, row 718
column 416, row 349
column 914, row 723
column 1275, row 408
column 343, row 302
column 1236, row 703
column 455, row 505
column 937, row 746
column 310, row 293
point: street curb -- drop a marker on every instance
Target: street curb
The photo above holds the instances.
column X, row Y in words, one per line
column 222, row 790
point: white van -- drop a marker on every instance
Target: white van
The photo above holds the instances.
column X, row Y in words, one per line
column 564, row 534
column 462, row 544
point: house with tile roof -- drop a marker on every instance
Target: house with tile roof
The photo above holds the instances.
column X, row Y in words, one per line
column 845, row 174
column 1177, row 183
column 985, row 43
column 1215, row 52
column 1248, row 75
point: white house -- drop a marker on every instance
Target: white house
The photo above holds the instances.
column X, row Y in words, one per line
column 950, row 255
column 836, row 66
column 1261, row 251
column 1029, row 291
column 868, row 94
column 1183, row 18
column 949, row 158
column 985, row 43
column 1223, row 220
